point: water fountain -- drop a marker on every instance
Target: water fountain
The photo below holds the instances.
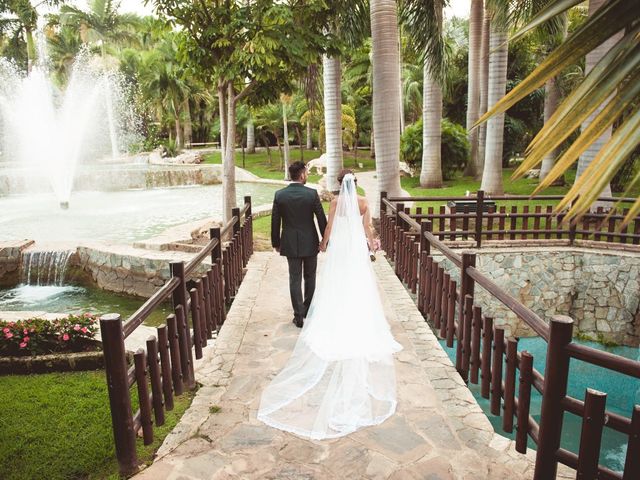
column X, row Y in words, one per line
column 46, row 132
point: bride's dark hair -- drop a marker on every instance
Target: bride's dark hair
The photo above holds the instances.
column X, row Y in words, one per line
column 344, row 172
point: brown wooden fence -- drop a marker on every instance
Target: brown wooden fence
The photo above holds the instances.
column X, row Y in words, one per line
column 165, row 369
column 480, row 218
column 484, row 355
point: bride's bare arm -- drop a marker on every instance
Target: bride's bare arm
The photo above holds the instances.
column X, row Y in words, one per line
column 368, row 228
column 327, row 230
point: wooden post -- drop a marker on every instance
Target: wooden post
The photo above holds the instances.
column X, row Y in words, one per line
column 466, row 336
column 485, row 364
column 632, row 462
column 524, row 401
column 476, row 330
column 425, row 245
column 174, row 349
column 591, row 436
column 466, row 288
column 156, row 380
column 510, row 384
column 444, row 304
column 140, row 361
column 451, row 312
column 248, row 250
column 115, row 361
column 195, row 317
column 496, row 370
column 179, row 298
column 556, row 374
column 479, row 214
column 165, row 363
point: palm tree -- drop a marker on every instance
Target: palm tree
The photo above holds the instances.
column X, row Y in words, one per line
column 492, row 171
column 21, row 16
column 63, row 45
column 386, row 94
column 431, row 171
column 614, row 81
column 473, row 92
column 286, row 104
column 332, row 119
column 101, row 24
column 484, row 84
column 251, row 137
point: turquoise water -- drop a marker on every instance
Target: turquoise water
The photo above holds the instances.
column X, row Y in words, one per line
column 622, row 393
column 76, row 299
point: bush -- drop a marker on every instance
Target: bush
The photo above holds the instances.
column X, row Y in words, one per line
column 454, row 148
column 37, row 336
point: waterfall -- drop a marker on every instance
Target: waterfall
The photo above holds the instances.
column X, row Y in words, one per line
column 44, row 268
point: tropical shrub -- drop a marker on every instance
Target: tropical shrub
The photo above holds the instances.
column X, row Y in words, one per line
column 454, row 148
column 36, row 336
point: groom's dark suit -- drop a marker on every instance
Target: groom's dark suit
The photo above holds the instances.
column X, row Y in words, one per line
column 294, row 207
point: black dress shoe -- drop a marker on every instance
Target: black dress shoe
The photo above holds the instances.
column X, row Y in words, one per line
column 298, row 322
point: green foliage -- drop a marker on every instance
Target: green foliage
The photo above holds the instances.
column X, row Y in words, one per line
column 36, row 336
column 454, row 149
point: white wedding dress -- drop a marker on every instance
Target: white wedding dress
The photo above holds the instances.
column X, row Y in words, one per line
column 340, row 376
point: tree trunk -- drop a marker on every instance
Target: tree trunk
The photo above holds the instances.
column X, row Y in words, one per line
column 591, row 60
column 492, row 173
column 386, row 96
column 332, row 120
column 285, row 140
column 265, row 142
column 229, row 167
column 400, row 80
column 372, row 143
column 222, row 110
column 431, row 172
column 187, row 127
column 309, row 136
column 551, row 101
column 251, row 137
column 473, row 90
column 300, row 141
column 484, row 87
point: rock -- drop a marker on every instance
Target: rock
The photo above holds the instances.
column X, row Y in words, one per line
column 533, row 173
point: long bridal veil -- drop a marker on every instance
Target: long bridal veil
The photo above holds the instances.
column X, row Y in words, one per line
column 340, row 376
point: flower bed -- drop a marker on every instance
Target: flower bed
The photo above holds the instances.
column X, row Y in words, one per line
column 36, row 336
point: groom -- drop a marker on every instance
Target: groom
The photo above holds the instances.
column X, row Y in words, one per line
column 294, row 207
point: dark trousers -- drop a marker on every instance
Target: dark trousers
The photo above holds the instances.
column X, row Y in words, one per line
column 300, row 267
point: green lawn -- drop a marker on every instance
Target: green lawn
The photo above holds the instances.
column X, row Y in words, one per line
column 58, row 426
column 258, row 163
column 459, row 187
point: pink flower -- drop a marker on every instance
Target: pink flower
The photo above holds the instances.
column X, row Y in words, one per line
column 22, row 345
column 76, row 327
column 65, row 337
column 6, row 330
column 87, row 315
column 25, row 331
column 26, row 339
column 84, row 329
column 33, row 330
column 8, row 335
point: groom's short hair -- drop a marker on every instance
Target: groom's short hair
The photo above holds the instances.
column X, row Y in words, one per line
column 296, row 169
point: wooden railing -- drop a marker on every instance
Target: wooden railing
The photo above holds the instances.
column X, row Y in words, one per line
column 483, row 218
column 167, row 364
column 481, row 347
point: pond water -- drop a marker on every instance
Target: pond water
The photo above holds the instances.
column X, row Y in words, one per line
column 623, row 392
column 122, row 216
column 77, row 300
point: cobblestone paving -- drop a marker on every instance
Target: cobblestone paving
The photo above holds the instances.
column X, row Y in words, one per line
column 438, row 432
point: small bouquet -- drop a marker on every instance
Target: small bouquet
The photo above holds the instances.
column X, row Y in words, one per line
column 373, row 249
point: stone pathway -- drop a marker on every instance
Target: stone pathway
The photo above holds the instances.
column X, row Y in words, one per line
column 438, row 432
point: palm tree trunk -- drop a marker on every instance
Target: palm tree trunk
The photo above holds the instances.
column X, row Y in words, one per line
column 386, row 95
column 309, row 136
column 229, row 166
column 188, row 127
column 222, row 110
column 251, row 137
column 431, row 172
column 300, row 142
column 551, row 101
column 591, row 60
column 332, row 120
column 372, row 143
column 179, row 138
column 492, row 172
column 402, row 124
column 484, row 86
column 473, row 91
column 285, row 140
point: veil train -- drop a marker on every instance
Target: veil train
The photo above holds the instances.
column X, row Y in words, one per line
column 340, row 376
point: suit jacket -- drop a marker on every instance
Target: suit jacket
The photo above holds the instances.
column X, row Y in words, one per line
column 294, row 208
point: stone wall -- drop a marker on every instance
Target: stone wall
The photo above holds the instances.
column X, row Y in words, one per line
column 598, row 289
column 10, row 253
column 127, row 270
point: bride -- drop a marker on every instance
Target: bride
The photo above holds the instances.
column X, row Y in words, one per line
column 340, row 376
